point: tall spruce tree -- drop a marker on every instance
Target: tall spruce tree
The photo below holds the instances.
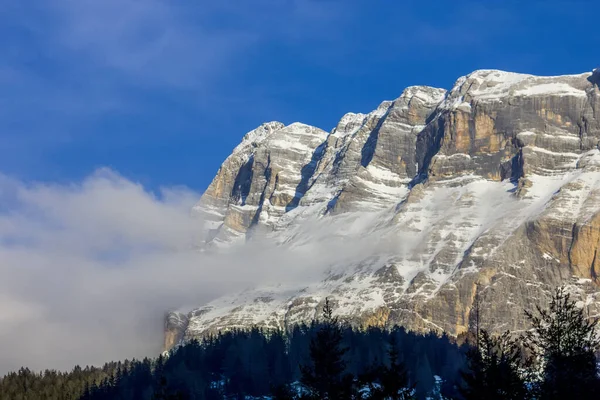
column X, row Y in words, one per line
column 325, row 378
column 494, row 369
column 564, row 342
column 388, row 382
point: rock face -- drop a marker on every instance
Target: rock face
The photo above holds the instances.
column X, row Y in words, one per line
column 175, row 326
column 494, row 185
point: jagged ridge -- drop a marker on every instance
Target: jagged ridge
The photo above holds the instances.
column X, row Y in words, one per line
column 494, row 182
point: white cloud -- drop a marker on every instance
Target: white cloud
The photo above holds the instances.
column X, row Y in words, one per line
column 89, row 269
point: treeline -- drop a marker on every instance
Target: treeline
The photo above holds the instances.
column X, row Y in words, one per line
column 50, row 384
column 328, row 360
column 241, row 363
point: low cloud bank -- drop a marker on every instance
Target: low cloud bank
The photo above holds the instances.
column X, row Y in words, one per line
column 87, row 270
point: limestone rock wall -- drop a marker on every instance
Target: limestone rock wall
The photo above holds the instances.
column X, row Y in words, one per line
column 494, row 185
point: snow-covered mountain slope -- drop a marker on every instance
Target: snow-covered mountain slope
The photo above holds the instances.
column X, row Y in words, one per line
column 494, row 184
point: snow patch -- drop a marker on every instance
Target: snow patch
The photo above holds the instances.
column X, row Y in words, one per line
column 556, row 88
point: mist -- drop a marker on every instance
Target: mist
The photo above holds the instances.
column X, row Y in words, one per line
column 88, row 269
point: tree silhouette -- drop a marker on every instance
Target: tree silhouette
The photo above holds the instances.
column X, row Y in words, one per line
column 388, row 382
column 325, row 377
column 564, row 342
column 241, row 364
column 494, row 369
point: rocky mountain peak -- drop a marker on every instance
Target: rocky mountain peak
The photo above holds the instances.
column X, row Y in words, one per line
column 256, row 136
column 426, row 94
column 349, row 123
column 496, row 85
column 495, row 182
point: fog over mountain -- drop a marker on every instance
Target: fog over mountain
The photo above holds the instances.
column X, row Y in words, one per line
column 90, row 268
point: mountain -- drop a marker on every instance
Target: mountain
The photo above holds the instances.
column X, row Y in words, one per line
column 493, row 186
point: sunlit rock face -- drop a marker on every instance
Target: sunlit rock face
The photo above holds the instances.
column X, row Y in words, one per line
column 175, row 327
column 494, row 184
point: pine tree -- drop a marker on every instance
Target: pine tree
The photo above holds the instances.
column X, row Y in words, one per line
column 388, row 382
column 325, row 378
column 564, row 341
column 86, row 392
column 494, row 370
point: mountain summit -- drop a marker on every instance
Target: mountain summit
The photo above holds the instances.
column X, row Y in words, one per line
column 491, row 186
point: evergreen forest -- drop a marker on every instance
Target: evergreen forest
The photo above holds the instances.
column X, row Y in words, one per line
column 556, row 359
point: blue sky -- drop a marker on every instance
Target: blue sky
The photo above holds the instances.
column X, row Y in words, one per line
column 161, row 91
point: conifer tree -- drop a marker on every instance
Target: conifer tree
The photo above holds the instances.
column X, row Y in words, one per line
column 86, row 392
column 325, row 378
column 564, row 342
column 389, row 382
column 494, row 370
